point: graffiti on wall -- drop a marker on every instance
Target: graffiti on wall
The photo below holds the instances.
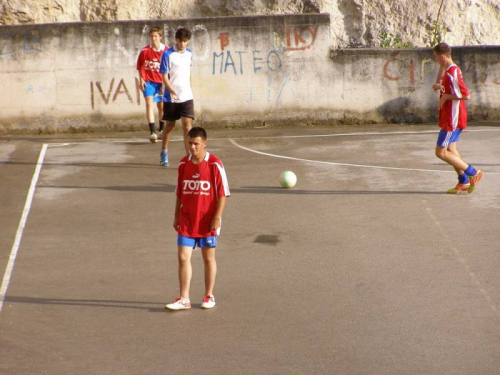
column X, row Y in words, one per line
column 108, row 94
column 396, row 68
column 239, row 62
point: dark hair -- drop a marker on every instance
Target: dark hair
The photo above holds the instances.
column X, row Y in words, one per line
column 442, row 49
column 183, row 33
column 156, row 29
column 198, row 132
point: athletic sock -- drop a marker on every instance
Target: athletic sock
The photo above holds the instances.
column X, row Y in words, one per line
column 463, row 178
column 470, row 171
column 164, row 150
column 162, row 125
column 152, row 127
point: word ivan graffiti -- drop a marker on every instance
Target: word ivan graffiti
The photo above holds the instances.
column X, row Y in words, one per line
column 121, row 89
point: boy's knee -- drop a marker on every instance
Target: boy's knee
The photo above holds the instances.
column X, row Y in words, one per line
column 169, row 126
column 440, row 152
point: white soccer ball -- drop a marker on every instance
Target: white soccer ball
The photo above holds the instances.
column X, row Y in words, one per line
column 288, row 179
column 153, row 138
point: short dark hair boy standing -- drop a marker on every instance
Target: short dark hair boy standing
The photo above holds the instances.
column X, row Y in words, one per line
column 201, row 192
column 176, row 73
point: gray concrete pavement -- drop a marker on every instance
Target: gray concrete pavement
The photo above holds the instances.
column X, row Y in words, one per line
column 357, row 270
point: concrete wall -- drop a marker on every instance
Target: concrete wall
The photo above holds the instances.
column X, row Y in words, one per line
column 246, row 70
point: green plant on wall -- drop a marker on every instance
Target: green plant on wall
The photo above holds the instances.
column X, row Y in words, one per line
column 388, row 40
column 437, row 30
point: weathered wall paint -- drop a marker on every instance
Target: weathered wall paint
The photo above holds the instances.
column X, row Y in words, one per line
column 76, row 76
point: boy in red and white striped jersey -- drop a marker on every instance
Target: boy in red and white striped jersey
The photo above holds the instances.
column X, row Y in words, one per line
column 201, row 192
column 453, row 119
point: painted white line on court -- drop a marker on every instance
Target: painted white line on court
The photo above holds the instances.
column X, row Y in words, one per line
column 337, row 164
column 360, row 134
column 142, row 140
column 20, row 229
column 343, row 164
column 464, row 262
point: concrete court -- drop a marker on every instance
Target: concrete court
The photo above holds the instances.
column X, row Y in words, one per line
column 356, row 270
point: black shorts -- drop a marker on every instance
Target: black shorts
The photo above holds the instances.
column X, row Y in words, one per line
column 174, row 111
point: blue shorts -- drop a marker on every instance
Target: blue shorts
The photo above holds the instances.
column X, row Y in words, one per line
column 154, row 89
column 446, row 138
column 200, row 242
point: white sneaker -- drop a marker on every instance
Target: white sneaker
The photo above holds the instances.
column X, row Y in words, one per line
column 208, row 302
column 179, row 304
column 153, row 138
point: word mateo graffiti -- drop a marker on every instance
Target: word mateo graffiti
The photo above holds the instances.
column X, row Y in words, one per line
column 234, row 61
column 121, row 89
column 272, row 61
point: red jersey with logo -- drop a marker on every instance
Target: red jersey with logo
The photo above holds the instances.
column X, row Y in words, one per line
column 453, row 114
column 148, row 63
column 199, row 187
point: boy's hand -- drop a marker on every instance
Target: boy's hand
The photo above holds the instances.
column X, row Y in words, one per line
column 215, row 224
column 143, row 84
column 174, row 96
column 442, row 100
column 176, row 224
column 436, row 87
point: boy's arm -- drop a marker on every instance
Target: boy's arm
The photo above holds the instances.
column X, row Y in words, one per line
column 221, row 203
column 169, row 87
column 446, row 97
column 142, row 82
column 176, row 214
column 437, row 84
column 140, row 70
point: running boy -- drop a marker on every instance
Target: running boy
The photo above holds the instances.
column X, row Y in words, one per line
column 176, row 72
column 452, row 120
column 201, row 192
column 148, row 65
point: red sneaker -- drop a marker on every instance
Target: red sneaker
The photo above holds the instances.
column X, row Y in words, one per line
column 458, row 189
column 474, row 180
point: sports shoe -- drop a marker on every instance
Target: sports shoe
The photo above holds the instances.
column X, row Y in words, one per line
column 153, row 138
column 474, row 180
column 458, row 189
column 164, row 159
column 208, row 302
column 179, row 304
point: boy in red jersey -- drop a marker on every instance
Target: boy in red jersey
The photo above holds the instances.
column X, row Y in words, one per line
column 201, row 192
column 148, row 65
column 452, row 120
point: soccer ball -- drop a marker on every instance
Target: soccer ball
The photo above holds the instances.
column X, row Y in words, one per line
column 153, row 138
column 288, row 179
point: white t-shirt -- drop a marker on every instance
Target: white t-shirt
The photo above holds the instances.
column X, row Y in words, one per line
column 178, row 67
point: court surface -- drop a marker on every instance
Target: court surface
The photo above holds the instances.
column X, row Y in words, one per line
column 365, row 267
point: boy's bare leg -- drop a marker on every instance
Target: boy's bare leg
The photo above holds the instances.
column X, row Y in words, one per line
column 210, row 269
column 160, row 110
column 453, row 149
column 185, row 270
column 187, row 124
column 451, row 158
column 167, row 133
column 150, row 115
